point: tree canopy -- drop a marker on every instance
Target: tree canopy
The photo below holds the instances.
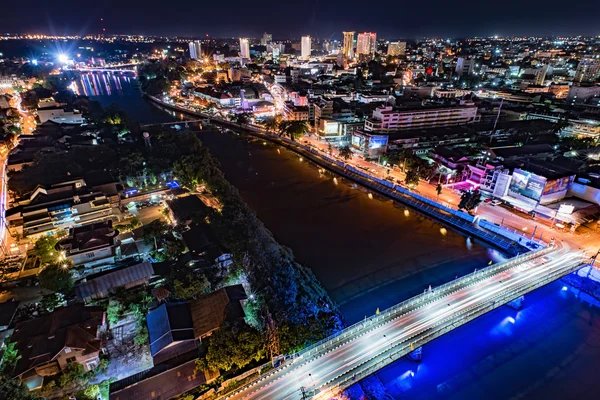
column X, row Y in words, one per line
column 57, row 277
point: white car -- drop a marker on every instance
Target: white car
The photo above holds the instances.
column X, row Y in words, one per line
column 495, row 202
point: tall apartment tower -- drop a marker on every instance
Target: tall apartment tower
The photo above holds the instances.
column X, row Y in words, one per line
column 348, row 48
column 244, row 48
column 366, row 43
column 266, row 40
column 195, row 50
column 588, row 69
column 305, row 47
column 464, row 66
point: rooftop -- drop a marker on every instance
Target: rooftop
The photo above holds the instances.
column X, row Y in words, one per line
column 212, row 310
column 40, row 340
column 167, row 324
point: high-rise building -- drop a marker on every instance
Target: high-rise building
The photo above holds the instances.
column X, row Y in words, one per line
column 366, row 43
column 348, row 48
column 306, row 47
column 195, row 50
column 267, row 38
column 588, row 69
column 244, row 48
column 396, row 49
column 465, row 66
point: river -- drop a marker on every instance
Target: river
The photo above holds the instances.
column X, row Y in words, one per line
column 373, row 253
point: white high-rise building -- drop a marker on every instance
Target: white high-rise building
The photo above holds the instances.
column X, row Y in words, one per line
column 244, row 48
column 195, row 50
column 306, row 47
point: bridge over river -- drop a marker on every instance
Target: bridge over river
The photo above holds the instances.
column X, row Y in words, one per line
column 336, row 363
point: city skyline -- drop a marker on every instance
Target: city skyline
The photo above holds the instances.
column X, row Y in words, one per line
column 321, row 21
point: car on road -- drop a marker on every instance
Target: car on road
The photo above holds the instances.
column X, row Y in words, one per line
column 495, row 202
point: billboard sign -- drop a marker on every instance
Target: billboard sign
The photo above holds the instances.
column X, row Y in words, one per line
column 378, row 141
column 358, row 141
column 558, row 185
column 527, row 184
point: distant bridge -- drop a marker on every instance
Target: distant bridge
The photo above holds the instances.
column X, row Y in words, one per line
column 130, row 67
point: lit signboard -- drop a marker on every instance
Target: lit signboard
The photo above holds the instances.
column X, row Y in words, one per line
column 378, row 141
column 331, row 127
column 558, row 185
column 357, row 141
column 527, row 184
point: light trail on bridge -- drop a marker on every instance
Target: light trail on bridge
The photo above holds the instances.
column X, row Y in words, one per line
column 342, row 363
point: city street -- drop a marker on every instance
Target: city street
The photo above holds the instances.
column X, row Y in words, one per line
column 375, row 346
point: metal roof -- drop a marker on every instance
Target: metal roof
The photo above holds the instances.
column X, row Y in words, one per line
column 114, row 279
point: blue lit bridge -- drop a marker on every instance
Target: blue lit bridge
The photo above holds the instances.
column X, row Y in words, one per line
column 336, row 363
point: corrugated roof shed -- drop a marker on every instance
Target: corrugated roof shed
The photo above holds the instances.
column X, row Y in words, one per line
column 114, row 279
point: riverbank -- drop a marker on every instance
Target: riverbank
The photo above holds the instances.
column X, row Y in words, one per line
column 507, row 241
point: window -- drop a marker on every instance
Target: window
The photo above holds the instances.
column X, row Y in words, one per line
column 70, row 359
column 92, row 364
column 67, row 350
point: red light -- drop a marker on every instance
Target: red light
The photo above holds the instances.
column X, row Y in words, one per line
column 429, row 71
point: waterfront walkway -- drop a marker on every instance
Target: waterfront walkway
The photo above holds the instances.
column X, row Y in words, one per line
column 502, row 238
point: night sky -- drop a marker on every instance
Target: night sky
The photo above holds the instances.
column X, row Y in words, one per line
column 290, row 19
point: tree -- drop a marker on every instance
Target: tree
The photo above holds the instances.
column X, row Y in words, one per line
column 13, row 389
column 229, row 347
column 50, row 301
column 438, row 189
column 92, row 392
column 241, row 119
column 345, row 152
column 469, row 200
column 45, row 248
column 141, row 337
column 57, row 277
column 10, row 357
column 412, row 177
column 191, row 287
column 172, row 249
column 271, row 124
column 295, row 129
column 73, row 374
column 155, row 231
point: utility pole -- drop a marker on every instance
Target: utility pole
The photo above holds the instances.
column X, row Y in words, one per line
column 497, row 118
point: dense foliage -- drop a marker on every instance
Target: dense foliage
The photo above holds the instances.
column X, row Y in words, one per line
column 57, row 277
column 157, row 76
column 290, row 291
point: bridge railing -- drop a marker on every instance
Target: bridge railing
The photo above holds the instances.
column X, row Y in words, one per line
column 407, row 304
column 348, row 378
column 399, row 309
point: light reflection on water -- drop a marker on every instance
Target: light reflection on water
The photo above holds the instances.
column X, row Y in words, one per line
column 104, row 84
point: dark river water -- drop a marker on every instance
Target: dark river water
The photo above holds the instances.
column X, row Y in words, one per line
column 373, row 253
